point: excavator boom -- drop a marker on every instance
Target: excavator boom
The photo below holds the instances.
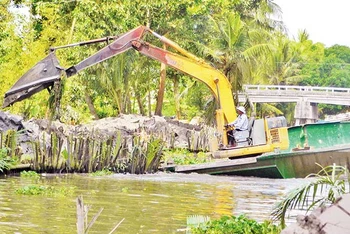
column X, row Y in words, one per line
column 120, row 45
column 186, row 63
column 48, row 71
column 214, row 79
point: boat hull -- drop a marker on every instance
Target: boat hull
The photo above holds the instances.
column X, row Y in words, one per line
column 312, row 147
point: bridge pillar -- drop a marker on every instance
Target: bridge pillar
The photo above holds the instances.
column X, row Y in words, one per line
column 305, row 112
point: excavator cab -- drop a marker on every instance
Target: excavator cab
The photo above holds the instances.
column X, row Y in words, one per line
column 263, row 136
column 244, row 138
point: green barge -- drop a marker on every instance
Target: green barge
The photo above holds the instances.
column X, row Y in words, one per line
column 310, row 146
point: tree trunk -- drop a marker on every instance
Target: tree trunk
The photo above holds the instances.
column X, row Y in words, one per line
column 177, row 97
column 161, row 89
column 139, row 102
column 80, row 216
column 90, row 105
column 128, row 109
column 119, row 102
column 149, row 104
column 57, row 96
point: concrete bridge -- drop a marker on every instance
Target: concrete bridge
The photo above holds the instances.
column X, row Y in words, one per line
column 306, row 97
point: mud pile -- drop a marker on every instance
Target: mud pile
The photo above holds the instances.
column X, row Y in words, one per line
column 174, row 133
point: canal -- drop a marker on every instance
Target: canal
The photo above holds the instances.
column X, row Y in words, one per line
column 152, row 203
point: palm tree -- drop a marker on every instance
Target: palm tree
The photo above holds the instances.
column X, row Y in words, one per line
column 230, row 41
column 328, row 186
column 237, row 46
column 234, row 49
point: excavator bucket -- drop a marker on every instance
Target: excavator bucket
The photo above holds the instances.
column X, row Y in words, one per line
column 41, row 76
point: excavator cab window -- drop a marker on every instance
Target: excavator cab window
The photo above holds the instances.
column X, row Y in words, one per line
column 276, row 122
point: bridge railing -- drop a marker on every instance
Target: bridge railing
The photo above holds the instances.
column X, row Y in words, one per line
column 291, row 88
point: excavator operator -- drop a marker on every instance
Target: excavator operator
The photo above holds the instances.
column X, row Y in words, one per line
column 240, row 124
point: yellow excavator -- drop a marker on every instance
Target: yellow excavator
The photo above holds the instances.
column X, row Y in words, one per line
column 263, row 135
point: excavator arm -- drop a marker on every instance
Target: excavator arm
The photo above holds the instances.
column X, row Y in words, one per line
column 215, row 80
column 186, row 63
column 120, row 45
column 46, row 72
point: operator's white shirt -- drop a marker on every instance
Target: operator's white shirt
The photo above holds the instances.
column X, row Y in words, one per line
column 241, row 123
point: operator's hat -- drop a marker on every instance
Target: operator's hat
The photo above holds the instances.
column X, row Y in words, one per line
column 241, row 108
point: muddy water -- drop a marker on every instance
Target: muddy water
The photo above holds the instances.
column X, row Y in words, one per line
column 158, row 203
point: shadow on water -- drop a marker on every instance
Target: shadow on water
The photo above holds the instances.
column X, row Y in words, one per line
column 154, row 203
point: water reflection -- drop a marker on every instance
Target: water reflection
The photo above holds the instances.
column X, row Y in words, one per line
column 157, row 203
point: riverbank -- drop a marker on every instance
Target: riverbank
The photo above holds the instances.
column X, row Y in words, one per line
column 124, row 144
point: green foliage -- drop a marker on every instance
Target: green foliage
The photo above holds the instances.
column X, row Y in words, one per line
column 184, row 157
column 104, row 107
column 91, row 153
column 153, row 152
column 125, row 189
column 29, row 174
column 195, row 100
column 341, row 52
column 332, row 71
column 103, row 172
column 236, row 224
column 45, row 190
column 5, row 160
column 145, row 154
column 329, row 184
column 26, row 158
column 194, row 220
column 235, row 36
column 116, row 85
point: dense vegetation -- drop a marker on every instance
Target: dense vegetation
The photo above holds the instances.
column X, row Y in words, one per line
column 236, row 224
column 5, row 160
column 234, row 36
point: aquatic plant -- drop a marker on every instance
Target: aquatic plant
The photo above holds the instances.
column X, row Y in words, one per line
column 55, row 152
column 45, row 190
column 8, row 140
column 8, row 149
column 29, row 174
column 199, row 140
column 145, row 155
column 79, row 153
column 235, row 224
column 193, row 221
column 5, row 161
column 102, row 172
column 330, row 183
column 185, row 157
column 153, row 154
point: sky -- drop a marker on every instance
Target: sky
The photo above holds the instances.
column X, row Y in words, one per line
column 326, row 21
